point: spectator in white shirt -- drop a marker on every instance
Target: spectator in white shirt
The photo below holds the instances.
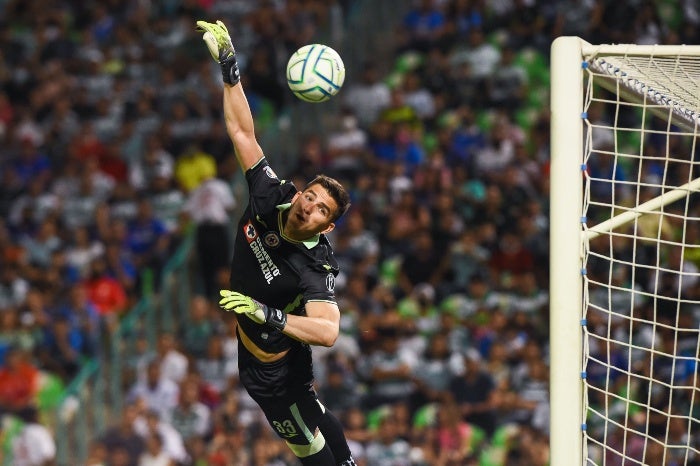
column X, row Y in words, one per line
column 151, row 423
column 33, row 445
column 83, row 250
column 209, row 206
column 368, row 97
column 173, row 364
column 191, row 418
column 155, row 454
column 158, row 393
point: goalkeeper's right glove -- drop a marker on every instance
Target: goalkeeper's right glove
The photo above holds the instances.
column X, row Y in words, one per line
column 220, row 47
column 254, row 310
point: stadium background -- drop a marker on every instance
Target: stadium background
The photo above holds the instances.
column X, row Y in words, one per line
column 110, row 126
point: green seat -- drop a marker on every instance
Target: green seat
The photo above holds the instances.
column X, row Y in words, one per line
column 375, row 416
column 535, row 65
column 50, row 392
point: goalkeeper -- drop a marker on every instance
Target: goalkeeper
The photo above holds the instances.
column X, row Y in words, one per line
column 282, row 279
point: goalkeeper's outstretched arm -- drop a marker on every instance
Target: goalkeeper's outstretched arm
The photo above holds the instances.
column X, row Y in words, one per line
column 239, row 124
column 239, row 119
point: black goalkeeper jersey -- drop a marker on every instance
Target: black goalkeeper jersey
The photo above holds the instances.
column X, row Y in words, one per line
column 275, row 270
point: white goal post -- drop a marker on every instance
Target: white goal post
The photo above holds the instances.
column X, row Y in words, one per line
column 625, row 254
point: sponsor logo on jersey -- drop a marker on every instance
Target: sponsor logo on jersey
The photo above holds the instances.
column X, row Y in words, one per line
column 267, row 266
column 271, row 239
column 330, row 282
column 249, row 231
column 270, row 172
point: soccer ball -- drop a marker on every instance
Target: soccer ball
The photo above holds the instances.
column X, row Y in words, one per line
column 315, row 73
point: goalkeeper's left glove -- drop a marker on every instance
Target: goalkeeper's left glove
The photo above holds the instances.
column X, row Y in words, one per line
column 218, row 42
column 255, row 310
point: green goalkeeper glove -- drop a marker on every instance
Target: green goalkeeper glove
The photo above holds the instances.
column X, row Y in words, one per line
column 255, row 310
column 221, row 49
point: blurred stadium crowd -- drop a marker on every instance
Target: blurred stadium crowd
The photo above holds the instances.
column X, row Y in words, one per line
column 112, row 143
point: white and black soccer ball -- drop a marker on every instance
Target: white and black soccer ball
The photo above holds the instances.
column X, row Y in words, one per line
column 315, row 73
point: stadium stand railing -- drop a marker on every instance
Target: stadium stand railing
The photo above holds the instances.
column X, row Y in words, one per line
column 95, row 398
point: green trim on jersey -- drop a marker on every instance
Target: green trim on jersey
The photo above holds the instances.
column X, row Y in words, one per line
column 261, row 221
column 293, row 305
column 300, row 422
column 260, row 160
column 302, row 451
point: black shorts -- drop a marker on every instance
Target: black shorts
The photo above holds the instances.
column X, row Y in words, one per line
column 284, row 391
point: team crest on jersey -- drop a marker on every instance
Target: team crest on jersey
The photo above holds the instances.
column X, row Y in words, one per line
column 250, row 233
column 271, row 239
column 270, row 172
column 330, row 282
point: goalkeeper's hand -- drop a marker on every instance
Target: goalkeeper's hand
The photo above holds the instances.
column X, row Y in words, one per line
column 220, row 47
column 254, row 310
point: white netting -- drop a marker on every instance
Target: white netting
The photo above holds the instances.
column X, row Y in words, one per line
column 641, row 317
column 671, row 83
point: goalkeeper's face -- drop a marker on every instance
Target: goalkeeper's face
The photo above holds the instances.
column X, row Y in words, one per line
column 312, row 212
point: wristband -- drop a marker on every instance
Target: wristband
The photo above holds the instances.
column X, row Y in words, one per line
column 275, row 318
column 230, row 71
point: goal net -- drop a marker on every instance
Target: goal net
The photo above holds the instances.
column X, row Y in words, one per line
column 625, row 254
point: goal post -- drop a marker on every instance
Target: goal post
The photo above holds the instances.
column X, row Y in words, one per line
column 566, row 128
column 624, row 254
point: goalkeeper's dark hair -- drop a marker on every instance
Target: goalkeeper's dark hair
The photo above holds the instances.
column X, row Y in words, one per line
column 336, row 191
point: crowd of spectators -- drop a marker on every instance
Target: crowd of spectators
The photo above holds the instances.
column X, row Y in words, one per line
column 112, row 142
